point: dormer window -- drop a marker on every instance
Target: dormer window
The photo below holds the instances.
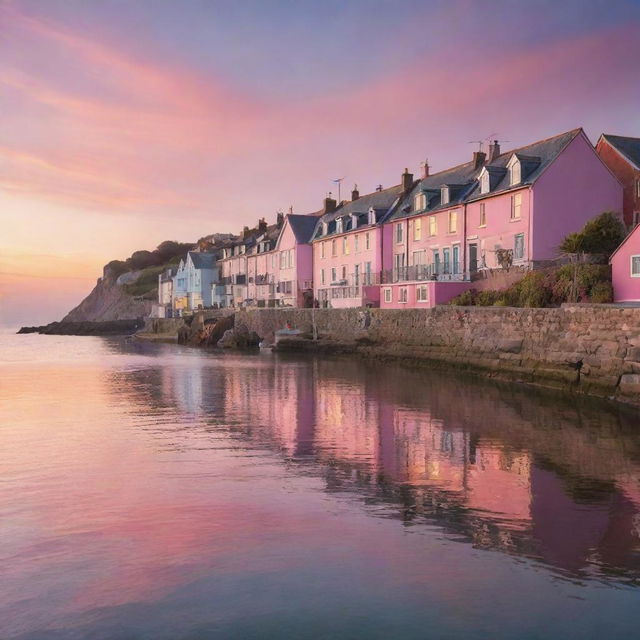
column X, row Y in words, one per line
column 420, row 202
column 484, row 182
column 515, row 171
column 325, row 228
column 445, row 195
column 339, row 225
column 354, row 220
column 372, row 216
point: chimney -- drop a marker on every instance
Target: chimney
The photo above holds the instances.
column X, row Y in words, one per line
column 407, row 181
column 379, row 187
column 245, row 232
column 425, row 169
column 355, row 194
column 330, row 205
column 279, row 219
column 494, row 151
column 478, row 159
column 262, row 226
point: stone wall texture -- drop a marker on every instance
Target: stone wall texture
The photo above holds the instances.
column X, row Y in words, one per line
column 540, row 346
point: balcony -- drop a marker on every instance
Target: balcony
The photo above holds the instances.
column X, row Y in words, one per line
column 442, row 272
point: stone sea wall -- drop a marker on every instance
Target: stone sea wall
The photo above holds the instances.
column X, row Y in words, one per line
column 592, row 349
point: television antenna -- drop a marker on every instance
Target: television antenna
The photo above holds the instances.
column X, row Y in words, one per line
column 338, row 181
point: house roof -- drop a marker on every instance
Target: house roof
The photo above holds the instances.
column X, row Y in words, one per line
column 634, row 233
column 628, row 147
column 381, row 201
column 535, row 158
column 303, row 226
column 202, row 260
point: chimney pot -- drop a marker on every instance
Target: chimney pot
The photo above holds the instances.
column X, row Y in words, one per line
column 425, row 169
column 355, row 194
column 279, row 218
column 379, row 187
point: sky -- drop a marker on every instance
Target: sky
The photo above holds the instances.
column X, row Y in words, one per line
column 124, row 123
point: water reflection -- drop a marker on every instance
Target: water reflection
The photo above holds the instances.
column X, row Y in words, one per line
column 502, row 468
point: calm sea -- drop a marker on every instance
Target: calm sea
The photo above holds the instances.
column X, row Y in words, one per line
column 160, row 492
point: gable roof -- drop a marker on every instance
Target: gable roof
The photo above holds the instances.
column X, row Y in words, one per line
column 303, row 226
column 627, row 146
column 381, row 201
column 634, row 232
column 535, row 157
column 202, row 260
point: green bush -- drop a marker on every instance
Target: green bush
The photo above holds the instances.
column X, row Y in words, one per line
column 145, row 284
column 602, row 293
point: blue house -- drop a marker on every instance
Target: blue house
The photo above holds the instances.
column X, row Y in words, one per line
column 193, row 280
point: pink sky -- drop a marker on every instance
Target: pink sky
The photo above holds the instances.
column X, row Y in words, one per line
column 121, row 130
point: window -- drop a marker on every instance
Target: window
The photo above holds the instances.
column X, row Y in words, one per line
column 515, row 173
column 446, row 258
column 485, row 186
column 420, row 202
column 418, row 257
column 518, row 247
column 444, row 195
column 283, row 259
column 322, row 249
column 345, row 246
column 344, row 272
column 387, row 295
column 433, row 226
column 334, row 276
column 417, row 229
column 516, row 206
column 292, row 257
column 367, row 241
column 453, row 221
column 422, row 293
column 339, row 225
column 483, row 215
column 456, row 259
column 334, row 250
column 372, row 216
column 367, row 273
column 399, row 233
column 321, row 276
column 356, row 244
column 436, row 261
column 402, row 294
column 635, row 266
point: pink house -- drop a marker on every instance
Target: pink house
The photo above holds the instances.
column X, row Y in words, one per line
column 503, row 209
column 348, row 248
column 270, row 265
column 625, row 269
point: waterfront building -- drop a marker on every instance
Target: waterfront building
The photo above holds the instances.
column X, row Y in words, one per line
column 348, row 247
column 164, row 308
column 622, row 155
column 625, row 269
column 499, row 210
column 192, row 282
column 271, row 266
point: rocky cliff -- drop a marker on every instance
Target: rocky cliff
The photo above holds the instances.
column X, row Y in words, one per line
column 109, row 300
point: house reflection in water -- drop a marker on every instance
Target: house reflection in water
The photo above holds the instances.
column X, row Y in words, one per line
column 502, row 468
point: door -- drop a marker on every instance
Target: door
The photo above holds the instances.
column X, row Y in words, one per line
column 446, row 258
column 456, row 259
column 473, row 258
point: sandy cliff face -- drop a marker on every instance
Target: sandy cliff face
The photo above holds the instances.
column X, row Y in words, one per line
column 108, row 301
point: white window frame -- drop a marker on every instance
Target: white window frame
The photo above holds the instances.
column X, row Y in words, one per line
column 422, row 293
column 420, row 202
column 403, row 293
column 417, row 229
column 388, row 295
column 356, row 243
column 635, row 257
column 516, row 205
column 433, row 226
column 345, row 246
column 485, row 184
column 321, row 276
column 399, row 233
column 367, row 241
column 483, row 215
column 515, row 172
column 515, row 244
column 334, row 248
column 453, row 217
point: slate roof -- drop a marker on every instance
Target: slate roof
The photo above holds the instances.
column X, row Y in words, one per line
column 628, row 147
column 381, row 201
column 303, row 226
column 202, row 260
column 535, row 159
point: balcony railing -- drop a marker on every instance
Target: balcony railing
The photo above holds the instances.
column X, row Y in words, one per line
column 443, row 272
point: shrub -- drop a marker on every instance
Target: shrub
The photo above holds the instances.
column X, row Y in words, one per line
column 600, row 236
column 602, row 293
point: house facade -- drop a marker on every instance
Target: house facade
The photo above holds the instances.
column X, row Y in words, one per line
column 622, row 155
column 192, row 282
column 625, row 269
column 498, row 210
column 348, row 248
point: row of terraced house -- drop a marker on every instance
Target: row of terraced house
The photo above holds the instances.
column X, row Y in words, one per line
column 424, row 241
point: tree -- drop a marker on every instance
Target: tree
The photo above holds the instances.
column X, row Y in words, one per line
column 600, row 236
